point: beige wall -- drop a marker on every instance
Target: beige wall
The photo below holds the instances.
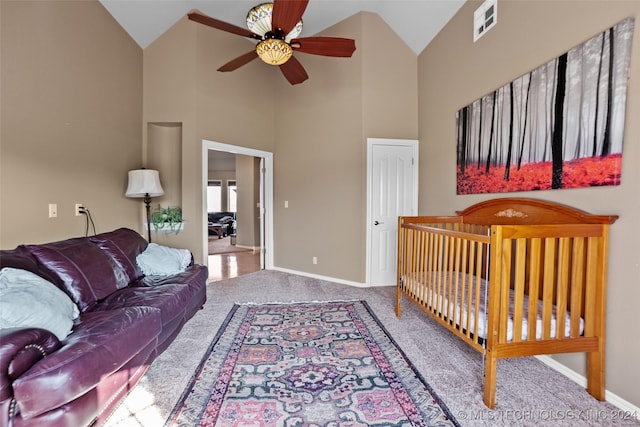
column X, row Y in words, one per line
column 320, row 157
column 453, row 71
column 71, row 110
column 164, row 154
column 181, row 84
column 317, row 130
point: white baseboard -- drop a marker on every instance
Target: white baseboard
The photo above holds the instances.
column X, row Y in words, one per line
column 327, row 278
column 610, row 397
column 253, row 249
column 319, row 277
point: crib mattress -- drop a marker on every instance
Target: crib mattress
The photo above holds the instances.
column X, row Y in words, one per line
column 432, row 299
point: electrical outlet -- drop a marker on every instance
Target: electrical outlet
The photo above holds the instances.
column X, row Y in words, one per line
column 53, row 210
column 78, row 209
column 315, row 259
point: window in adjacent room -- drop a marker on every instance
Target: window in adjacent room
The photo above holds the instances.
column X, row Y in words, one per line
column 214, row 196
column 232, row 196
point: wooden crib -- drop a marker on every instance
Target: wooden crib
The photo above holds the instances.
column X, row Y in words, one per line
column 512, row 277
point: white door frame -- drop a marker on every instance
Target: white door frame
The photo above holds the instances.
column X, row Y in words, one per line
column 266, row 204
column 369, row 228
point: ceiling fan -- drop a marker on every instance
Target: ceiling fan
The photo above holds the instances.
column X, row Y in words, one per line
column 276, row 26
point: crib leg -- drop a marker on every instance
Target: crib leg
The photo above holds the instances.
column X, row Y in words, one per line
column 491, row 363
column 398, row 296
column 595, row 374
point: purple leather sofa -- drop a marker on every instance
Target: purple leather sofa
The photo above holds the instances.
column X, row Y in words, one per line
column 126, row 320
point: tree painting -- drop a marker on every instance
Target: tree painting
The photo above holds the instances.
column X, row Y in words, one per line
column 558, row 126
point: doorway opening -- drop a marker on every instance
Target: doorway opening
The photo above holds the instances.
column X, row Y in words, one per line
column 239, row 237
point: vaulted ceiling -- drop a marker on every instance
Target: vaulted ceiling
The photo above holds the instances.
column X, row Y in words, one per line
column 416, row 21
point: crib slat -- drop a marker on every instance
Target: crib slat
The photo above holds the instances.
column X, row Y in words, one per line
column 577, row 285
column 409, row 263
column 548, row 285
column 590, row 302
column 465, row 281
column 476, row 285
column 417, row 264
column 562, row 286
column 446, row 278
column 534, row 286
column 429, row 269
column 435, row 272
column 505, row 287
column 442, row 250
column 449, row 279
column 518, row 289
column 453, row 300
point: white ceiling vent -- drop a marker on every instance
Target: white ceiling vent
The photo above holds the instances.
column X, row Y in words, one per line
column 484, row 18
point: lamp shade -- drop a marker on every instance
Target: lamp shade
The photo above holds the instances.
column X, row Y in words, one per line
column 143, row 182
column 274, row 51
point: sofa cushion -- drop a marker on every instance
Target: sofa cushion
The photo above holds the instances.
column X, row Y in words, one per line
column 171, row 299
column 102, row 342
column 29, row 301
column 123, row 245
column 21, row 258
column 83, row 270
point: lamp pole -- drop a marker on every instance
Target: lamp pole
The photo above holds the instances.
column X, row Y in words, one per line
column 147, row 202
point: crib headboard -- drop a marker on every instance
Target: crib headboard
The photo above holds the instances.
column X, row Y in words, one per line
column 512, row 210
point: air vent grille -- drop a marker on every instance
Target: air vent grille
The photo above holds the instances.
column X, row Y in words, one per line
column 484, row 18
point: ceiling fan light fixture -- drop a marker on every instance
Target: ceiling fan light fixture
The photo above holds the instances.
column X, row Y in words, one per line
column 259, row 21
column 274, row 51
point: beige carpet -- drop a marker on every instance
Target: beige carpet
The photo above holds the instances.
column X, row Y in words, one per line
column 528, row 393
column 223, row 246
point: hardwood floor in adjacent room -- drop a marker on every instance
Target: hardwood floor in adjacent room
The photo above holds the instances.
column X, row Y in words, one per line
column 230, row 264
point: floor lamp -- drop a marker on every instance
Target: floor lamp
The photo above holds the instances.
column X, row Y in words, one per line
column 145, row 183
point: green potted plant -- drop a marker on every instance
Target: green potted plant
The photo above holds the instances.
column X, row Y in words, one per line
column 169, row 219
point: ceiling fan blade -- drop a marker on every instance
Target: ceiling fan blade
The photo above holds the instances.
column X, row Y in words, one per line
column 326, row 46
column 221, row 25
column 293, row 71
column 238, row 62
column 287, row 13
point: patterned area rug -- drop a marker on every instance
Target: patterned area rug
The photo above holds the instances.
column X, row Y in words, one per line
column 305, row 365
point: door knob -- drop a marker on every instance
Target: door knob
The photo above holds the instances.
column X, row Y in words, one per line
column 376, row 222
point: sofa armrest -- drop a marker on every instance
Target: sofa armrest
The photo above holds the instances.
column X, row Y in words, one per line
column 20, row 349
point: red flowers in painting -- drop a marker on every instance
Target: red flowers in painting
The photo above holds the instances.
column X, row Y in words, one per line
column 585, row 172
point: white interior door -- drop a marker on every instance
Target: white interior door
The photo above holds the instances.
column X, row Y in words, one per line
column 392, row 191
